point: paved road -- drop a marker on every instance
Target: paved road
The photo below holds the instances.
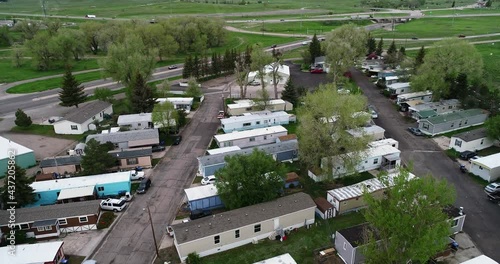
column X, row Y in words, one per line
column 130, row 241
column 483, row 217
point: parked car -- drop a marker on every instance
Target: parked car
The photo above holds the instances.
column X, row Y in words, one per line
column 137, row 175
column 492, row 188
column 415, row 131
column 414, row 38
column 466, row 155
column 208, row 180
column 172, row 67
column 127, row 197
column 461, row 36
column 282, row 20
column 170, row 231
column 177, row 140
column 372, row 110
column 254, row 83
column 221, row 114
column 158, row 148
column 144, row 185
column 195, row 214
column 115, row 205
column 317, row 70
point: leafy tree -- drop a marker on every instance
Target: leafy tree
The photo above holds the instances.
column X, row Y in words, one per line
column 380, row 47
column 28, row 29
column 165, row 116
column 44, row 51
column 409, row 223
column 97, row 160
column 249, row 179
column 92, row 32
column 306, row 59
column 460, row 87
column 371, row 45
column 324, row 119
column 493, row 127
column 419, row 60
column 17, row 55
column 154, row 37
column 142, row 97
column 194, row 258
column 314, row 48
column 260, row 59
column 188, row 67
column 72, row 93
column 52, row 26
column 193, row 89
column 453, row 4
column 127, row 59
column 442, row 65
column 163, row 89
column 290, row 93
column 5, row 39
column 344, row 46
column 181, row 118
column 23, row 193
column 116, row 32
column 196, row 67
column 242, row 70
column 488, row 3
column 248, row 56
column 72, row 44
column 22, row 119
column 274, row 74
column 103, row 94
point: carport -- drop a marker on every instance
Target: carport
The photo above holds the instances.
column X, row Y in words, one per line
column 76, row 194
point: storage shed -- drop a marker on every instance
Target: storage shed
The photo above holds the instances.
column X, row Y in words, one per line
column 203, row 197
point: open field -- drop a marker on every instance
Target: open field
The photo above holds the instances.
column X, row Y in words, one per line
column 443, row 27
column 304, row 27
column 300, row 244
column 463, row 11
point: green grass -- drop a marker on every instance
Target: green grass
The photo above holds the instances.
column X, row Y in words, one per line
column 155, row 161
column 489, row 151
column 134, row 186
column 197, row 179
column 52, row 83
column 113, row 92
column 442, row 27
column 300, row 243
column 26, row 71
column 293, row 54
column 478, row 179
column 463, row 12
column 450, row 134
column 304, row 27
column 292, row 127
column 239, row 41
column 44, row 130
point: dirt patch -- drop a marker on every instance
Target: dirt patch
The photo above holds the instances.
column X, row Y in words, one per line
column 443, row 142
column 42, row 146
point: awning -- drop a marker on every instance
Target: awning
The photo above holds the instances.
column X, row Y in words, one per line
column 50, row 222
column 76, row 192
column 392, row 157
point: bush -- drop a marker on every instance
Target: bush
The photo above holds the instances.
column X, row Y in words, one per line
column 106, row 220
column 22, row 119
column 193, row 258
column 291, row 186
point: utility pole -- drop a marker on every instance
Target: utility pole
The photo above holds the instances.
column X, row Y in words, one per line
column 153, row 230
column 44, row 8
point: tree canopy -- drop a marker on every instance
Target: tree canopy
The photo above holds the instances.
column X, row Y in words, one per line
column 443, row 63
column 409, row 222
column 71, row 93
column 493, row 127
column 22, row 119
column 23, row 193
column 324, row 119
column 165, row 116
column 143, row 97
column 249, row 179
column 260, row 59
column 96, row 159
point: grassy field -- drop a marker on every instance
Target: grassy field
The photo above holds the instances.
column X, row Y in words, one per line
column 443, row 27
column 494, row 9
column 52, row 83
column 44, row 130
column 11, row 74
column 304, row 27
column 300, row 244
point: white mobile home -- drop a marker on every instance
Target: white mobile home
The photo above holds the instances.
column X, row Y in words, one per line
column 252, row 121
column 222, row 150
column 375, row 132
column 135, row 121
column 184, row 103
column 472, row 140
column 399, row 88
column 488, row 168
column 423, row 96
column 231, row 229
column 388, row 141
column 251, row 138
column 244, row 106
column 80, row 120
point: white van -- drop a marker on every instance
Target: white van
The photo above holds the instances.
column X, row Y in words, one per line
column 90, row 16
column 116, row 205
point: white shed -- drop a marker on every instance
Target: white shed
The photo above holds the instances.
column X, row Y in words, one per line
column 136, row 121
column 488, row 168
column 251, row 138
column 244, row 106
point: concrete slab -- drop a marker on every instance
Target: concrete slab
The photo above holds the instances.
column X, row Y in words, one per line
column 442, row 141
column 83, row 243
column 466, row 250
column 42, row 146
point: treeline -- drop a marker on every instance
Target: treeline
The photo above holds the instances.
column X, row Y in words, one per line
column 51, row 45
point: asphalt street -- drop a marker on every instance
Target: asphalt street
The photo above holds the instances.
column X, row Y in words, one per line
column 483, row 217
column 131, row 240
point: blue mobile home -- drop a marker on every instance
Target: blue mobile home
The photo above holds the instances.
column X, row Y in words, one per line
column 281, row 151
column 203, row 197
column 50, row 192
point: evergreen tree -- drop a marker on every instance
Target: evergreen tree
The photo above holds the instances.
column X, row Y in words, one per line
column 453, row 4
column 196, row 67
column 23, row 193
column 188, row 67
column 71, row 93
column 380, row 47
column 371, row 45
column 402, row 51
column 205, row 68
column 96, row 159
column 22, row 119
column 392, row 54
column 488, row 3
column 248, row 56
column 392, row 48
column 142, row 96
column 314, row 48
column 214, row 67
column 219, row 63
column 419, row 60
column 227, row 62
column 290, row 94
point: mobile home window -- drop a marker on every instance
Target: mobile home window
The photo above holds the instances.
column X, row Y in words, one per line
column 100, row 188
column 132, row 161
column 453, row 124
column 74, row 127
column 257, row 123
column 48, row 228
column 216, row 239
column 375, row 161
column 458, row 142
column 40, row 229
column 256, row 228
column 83, row 219
column 24, row 226
column 425, row 126
column 63, row 221
column 252, row 139
column 345, row 246
column 482, row 141
column 237, row 233
column 247, row 124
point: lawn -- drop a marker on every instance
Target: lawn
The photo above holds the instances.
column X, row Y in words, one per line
column 300, row 244
column 464, row 11
column 11, row 74
column 489, row 151
column 239, row 41
column 52, row 83
column 44, row 130
column 304, row 27
column 443, row 27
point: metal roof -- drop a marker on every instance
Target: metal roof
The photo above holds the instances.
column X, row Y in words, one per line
column 85, row 112
column 472, row 134
column 398, row 85
column 371, row 130
column 222, row 150
column 134, row 118
column 427, row 113
column 60, row 161
column 250, row 133
column 73, row 182
column 448, row 117
column 412, row 95
column 219, row 223
column 250, row 103
column 253, row 117
column 56, row 211
column 49, row 222
column 6, row 145
column 200, row 192
column 126, row 136
column 76, row 192
column 131, row 153
column 433, row 105
column 281, row 259
column 31, row 253
column 269, row 149
column 490, row 162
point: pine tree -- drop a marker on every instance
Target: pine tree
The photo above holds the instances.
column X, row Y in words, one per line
column 402, row 51
column 71, row 93
column 142, row 97
column 188, row 67
column 214, row 66
column 392, row 48
column 314, row 48
column 196, row 67
column 290, row 93
column 380, row 47
column 488, row 3
column 23, row 194
column 96, row 159
column 419, row 60
column 22, row 119
column 371, row 45
column 248, row 56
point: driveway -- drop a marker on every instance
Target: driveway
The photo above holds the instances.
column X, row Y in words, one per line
column 483, row 217
column 131, row 239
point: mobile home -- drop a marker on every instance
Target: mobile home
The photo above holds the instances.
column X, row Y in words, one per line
column 251, row 138
column 444, row 123
column 252, row 121
column 423, row 96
